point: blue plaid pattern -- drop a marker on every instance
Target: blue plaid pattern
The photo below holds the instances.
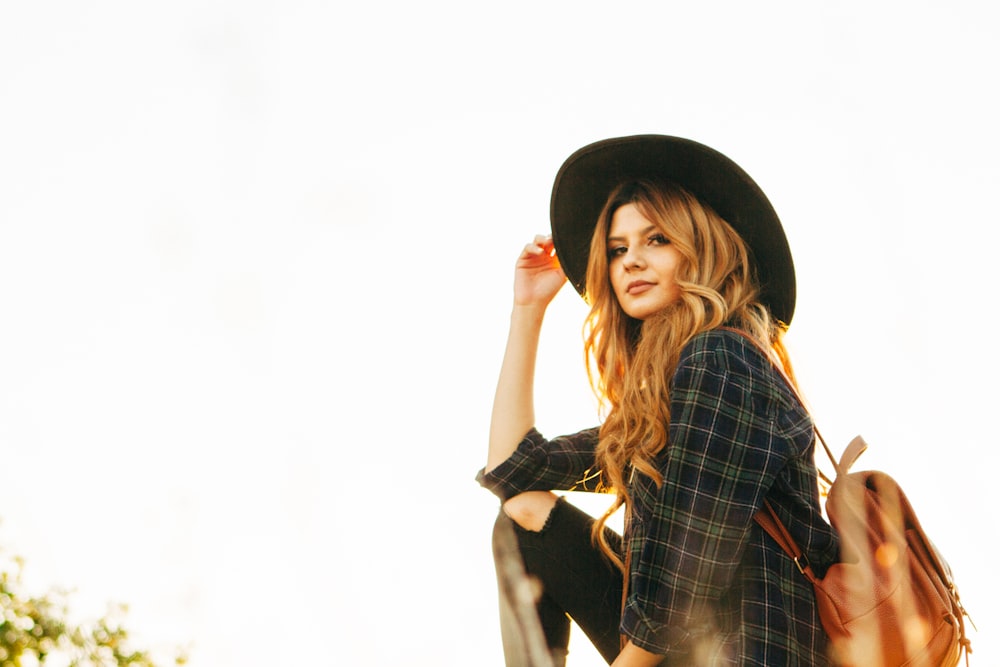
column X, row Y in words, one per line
column 707, row 586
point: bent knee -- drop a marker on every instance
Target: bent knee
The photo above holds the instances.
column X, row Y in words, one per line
column 530, row 510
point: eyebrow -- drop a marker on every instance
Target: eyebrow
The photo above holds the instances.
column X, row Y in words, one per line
column 641, row 233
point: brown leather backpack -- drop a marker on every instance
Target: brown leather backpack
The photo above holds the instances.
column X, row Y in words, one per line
column 891, row 600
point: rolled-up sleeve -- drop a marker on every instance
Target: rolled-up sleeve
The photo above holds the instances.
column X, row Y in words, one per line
column 690, row 533
column 565, row 463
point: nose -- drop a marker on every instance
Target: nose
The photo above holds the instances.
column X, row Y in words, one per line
column 633, row 258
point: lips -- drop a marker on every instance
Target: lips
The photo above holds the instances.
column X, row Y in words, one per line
column 638, row 287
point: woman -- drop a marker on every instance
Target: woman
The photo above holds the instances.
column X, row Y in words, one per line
column 690, row 282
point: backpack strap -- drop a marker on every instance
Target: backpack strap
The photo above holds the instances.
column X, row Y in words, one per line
column 766, row 516
column 773, row 526
column 771, row 356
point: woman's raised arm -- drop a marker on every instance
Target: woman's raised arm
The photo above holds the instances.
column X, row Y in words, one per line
column 537, row 279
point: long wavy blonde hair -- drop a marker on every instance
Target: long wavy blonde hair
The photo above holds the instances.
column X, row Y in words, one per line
column 631, row 362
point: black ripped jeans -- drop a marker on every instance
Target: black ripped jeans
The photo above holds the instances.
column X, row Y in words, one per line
column 577, row 580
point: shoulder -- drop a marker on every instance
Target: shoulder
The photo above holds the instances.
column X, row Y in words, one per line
column 724, row 349
column 731, row 361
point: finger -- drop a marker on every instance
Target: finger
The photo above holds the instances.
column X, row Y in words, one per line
column 546, row 244
column 540, row 245
column 531, row 250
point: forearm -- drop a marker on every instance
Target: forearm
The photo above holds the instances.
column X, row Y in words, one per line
column 513, row 404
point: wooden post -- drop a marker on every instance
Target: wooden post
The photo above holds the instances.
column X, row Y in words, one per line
column 524, row 642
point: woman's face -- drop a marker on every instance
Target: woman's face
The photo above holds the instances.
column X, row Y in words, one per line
column 642, row 264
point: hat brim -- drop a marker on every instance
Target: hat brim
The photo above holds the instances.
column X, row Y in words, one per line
column 586, row 179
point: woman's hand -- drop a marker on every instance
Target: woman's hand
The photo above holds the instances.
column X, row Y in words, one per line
column 633, row 656
column 537, row 274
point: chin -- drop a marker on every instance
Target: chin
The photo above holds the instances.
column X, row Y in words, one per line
column 645, row 311
column 641, row 314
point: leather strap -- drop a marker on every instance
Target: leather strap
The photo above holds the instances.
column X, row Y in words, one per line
column 766, row 516
column 773, row 526
column 770, row 356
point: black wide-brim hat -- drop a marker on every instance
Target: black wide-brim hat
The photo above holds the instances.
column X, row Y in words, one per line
column 588, row 176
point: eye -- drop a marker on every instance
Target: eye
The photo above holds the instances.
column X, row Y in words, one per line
column 658, row 239
column 616, row 251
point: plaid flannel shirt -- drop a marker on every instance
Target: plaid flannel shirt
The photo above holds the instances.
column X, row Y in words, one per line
column 707, row 586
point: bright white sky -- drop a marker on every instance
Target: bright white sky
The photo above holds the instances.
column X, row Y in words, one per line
column 255, row 267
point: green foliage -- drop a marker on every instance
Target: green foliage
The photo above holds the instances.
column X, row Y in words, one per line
column 36, row 631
